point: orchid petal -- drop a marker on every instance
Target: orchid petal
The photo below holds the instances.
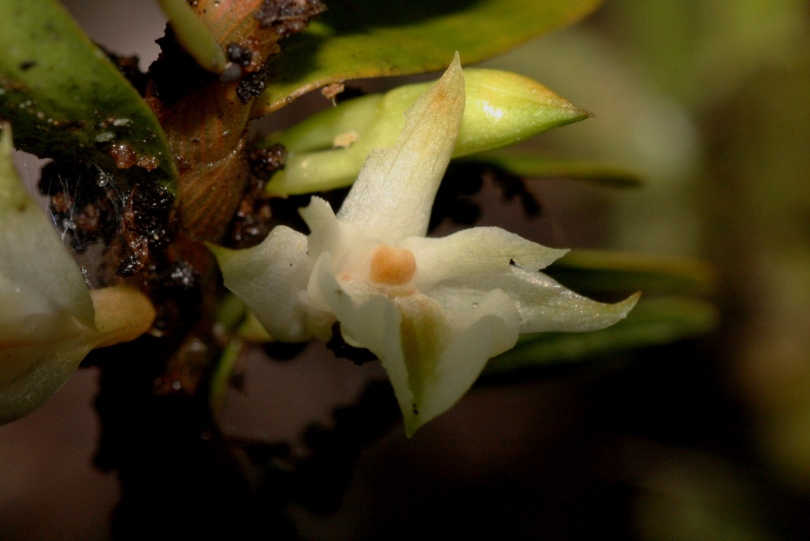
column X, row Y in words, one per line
column 281, row 257
column 394, row 193
column 432, row 356
column 37, row 274
column 325, row 229
column 475, row 251
column 441, row 377
column 32, row 371
column 34, row 366
column 49, row 320
column 544, row 304
column 366, row 318
column 343, row 241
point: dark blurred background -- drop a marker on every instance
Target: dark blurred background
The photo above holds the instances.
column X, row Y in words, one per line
column 707, row 439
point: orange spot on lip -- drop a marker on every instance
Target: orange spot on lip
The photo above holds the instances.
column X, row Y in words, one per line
column 392, row 266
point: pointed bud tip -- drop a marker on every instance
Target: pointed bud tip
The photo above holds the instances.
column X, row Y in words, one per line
column 631, row 301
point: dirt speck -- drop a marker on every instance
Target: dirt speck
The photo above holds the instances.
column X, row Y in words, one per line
column 150, row 163
column 287, row 17
column 123, row 155
column 264, row 161
column 253, row 84
column 331, row 90
column 244, row 55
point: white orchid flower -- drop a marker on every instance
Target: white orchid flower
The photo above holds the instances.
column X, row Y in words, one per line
column 49, row 320
column 434, row 310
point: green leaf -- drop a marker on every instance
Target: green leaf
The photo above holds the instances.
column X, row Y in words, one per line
column 368, row 38
column 66, row 99
column 532, row 166
column 223, row 373
column 594, row 271
column 652, row 322
column 196, row 38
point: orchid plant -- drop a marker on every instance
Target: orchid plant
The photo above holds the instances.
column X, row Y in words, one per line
column 158, row 187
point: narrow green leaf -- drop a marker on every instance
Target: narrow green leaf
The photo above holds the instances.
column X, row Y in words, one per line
column 223, row 373
column 652, row 322
column 532, row 166
column 593, row 271
column 66, row 100
column 196, row 38
column 368, row 38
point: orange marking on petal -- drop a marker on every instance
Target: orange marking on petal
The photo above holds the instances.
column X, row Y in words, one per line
column 392, row 266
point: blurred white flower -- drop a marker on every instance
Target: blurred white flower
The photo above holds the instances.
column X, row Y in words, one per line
column 49, row 320
column 434, row 310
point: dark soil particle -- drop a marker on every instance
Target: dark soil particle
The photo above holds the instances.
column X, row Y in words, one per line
column 80, row 208
column 148, row 212
column 145, row 224
column 264, row 161
column 239, row 54
column 455, row 198
column 254, row 217
column 182, row 275
column 175, row 74
column 123, row 155
column 287, row 17
column 253, row 84
column 128, row 66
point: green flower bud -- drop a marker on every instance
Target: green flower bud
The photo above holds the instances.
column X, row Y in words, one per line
column 327, row 150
